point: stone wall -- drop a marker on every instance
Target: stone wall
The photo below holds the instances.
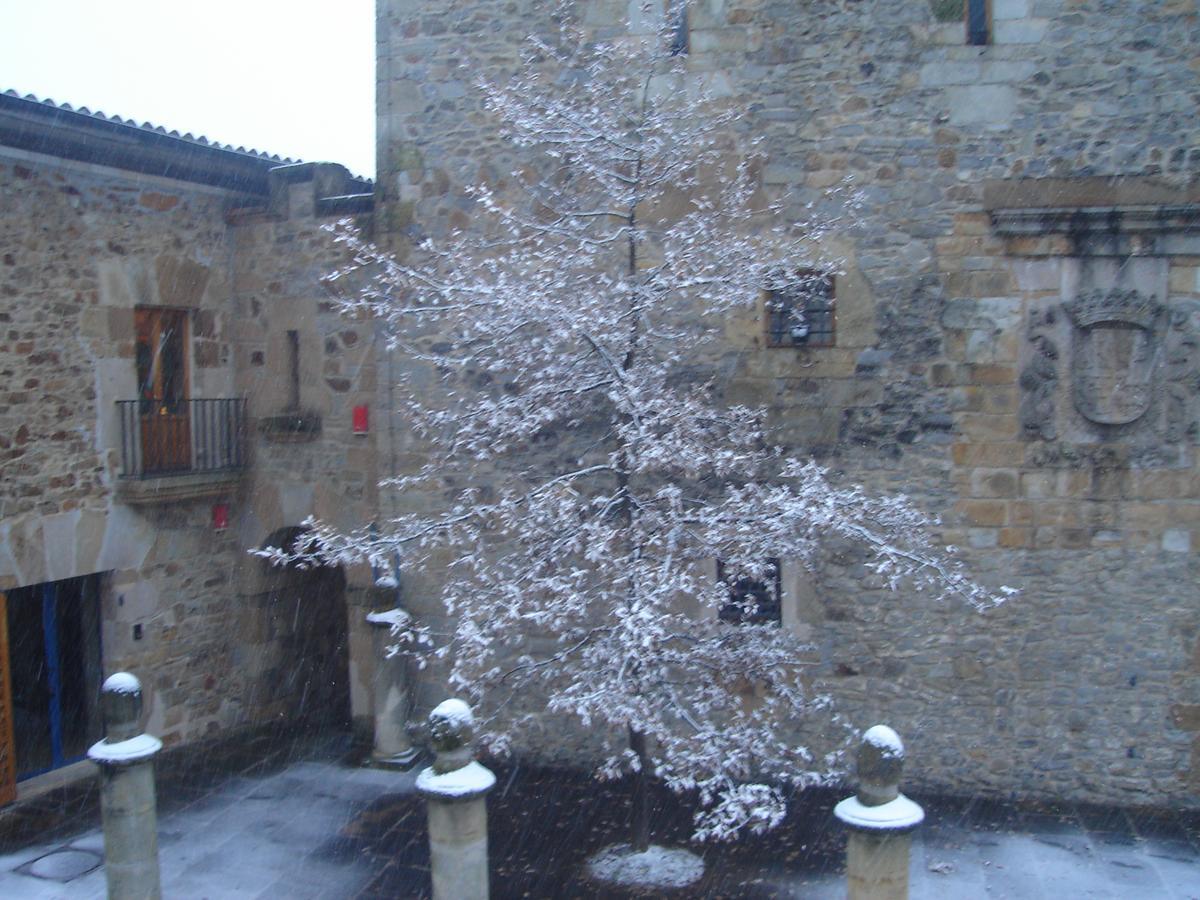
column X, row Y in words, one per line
column 307, row 460
column 182, row 604
column 1087, row 685
column 82, row 247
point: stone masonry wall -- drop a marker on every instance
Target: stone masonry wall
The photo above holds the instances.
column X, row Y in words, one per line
column 319, row 466
column 183, row 605
column 81, row 247
column 1088, row 685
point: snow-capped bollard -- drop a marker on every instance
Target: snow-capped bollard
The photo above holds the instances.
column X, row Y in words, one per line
column 881, row 821
column 127, row 803
column 392, row 747
column 455, row 787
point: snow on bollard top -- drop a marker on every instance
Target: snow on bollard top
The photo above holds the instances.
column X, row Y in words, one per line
column 455, row 713
column 122, row 683
column 879, row 806
column 396, row 617
column 900, row 814
column 467, row 783
column 454, row 775
column 886, row 740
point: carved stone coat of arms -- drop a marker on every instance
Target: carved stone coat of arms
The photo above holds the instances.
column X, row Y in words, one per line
column 1114, row 355
column 1131, row 362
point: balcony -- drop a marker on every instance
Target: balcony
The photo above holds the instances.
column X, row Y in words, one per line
column 180, row 449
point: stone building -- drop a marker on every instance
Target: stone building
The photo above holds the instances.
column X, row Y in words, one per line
column 1014, row 343
column 174, row 389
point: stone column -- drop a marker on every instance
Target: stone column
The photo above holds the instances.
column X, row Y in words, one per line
column 881, row 821
column 392, row 747
column 127, row 803
column 455, row 787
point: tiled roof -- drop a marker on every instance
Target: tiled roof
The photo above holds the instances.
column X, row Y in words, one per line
column 150, row 128
column 157, row 129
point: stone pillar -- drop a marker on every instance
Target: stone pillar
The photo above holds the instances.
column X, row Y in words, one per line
column 881, row 821
column 455, row 787
column 392, row 747
column 127, row 803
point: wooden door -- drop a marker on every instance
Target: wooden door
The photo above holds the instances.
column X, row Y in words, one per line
column 8, row 748
column 166, row 432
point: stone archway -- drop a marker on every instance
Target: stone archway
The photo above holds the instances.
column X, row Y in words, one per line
column 299, row 646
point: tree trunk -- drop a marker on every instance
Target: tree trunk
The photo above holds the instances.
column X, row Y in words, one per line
column 639, row 817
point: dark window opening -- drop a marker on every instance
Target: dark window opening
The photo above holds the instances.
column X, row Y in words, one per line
column 680, row 39
column 54, row 663
column 751, row 601
column 802, row 314
column 978, row 30
column 294, row 370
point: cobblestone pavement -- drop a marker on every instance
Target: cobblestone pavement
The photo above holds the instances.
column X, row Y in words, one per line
column 309, row 823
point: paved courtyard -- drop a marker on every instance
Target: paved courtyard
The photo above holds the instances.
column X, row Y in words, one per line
column 318, row 826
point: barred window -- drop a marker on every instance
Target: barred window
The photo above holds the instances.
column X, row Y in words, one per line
column 751, row 601
column 802, row 314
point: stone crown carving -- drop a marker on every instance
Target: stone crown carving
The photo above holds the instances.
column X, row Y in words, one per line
column 1132, row 307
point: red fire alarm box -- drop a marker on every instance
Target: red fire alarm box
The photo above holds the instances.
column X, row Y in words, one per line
column 220, row 516
column 360, row 420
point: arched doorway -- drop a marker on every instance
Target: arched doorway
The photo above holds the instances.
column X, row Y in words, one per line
column 304, row 673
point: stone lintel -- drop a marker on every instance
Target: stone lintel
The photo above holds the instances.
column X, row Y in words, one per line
column 1169, row 230
column 174, row 488
column 1076, row 193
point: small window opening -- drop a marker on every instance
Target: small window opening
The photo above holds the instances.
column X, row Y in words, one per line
column 978, row 30
column 680, row 42
column 751, row 601
column 802, row 313
column 293, row 338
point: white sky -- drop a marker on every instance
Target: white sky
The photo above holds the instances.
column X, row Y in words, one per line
column 294, row 78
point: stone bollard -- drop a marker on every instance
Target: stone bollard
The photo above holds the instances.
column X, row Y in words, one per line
column 881, row 821
column 392, row 748
column 127, row 804
column 455, row 787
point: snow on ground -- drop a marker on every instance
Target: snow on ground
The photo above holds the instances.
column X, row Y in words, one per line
column 253, row 838
column 299, row 833
column 658, row 867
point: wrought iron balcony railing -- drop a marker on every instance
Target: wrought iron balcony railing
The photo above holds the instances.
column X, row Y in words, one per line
column 160, row 438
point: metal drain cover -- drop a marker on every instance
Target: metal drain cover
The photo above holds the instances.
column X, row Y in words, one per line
column 62, row 865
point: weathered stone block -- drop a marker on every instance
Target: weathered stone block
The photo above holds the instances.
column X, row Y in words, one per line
column 994, row 483
column 984, row 513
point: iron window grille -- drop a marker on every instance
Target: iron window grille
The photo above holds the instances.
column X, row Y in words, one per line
column 802, row 314
column 752, row 601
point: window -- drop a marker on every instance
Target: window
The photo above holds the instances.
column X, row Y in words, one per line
column 802, row 314
column 161, row 356
column 680, row 42
column 975, row 14
column 162, row 375
column 978, row 32
column 752, row 601
column 53, row 660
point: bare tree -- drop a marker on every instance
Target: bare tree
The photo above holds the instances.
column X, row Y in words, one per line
column 603, row 475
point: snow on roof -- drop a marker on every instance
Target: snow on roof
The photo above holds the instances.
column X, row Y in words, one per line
column 188, row 137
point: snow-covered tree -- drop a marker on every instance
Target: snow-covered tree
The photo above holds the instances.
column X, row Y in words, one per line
column 599, row 474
